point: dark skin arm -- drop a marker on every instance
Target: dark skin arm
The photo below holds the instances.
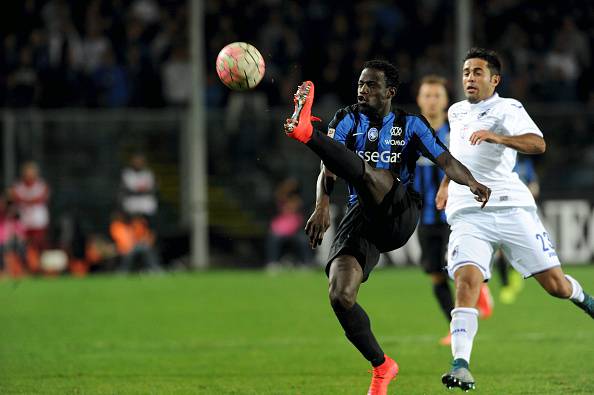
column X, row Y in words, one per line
column 319, row 222
column 459, row 173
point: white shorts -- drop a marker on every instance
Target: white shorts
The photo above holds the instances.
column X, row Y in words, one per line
column 477, row 234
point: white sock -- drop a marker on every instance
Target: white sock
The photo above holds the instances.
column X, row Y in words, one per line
column 577, row 293
column 463, row 328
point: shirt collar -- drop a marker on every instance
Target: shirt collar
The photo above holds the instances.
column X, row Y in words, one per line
column 485, row 103
column 384, row 120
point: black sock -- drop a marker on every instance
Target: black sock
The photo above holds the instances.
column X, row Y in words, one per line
column 444, row 297
column 357, row 329
column 503, row 271
column 337, row 158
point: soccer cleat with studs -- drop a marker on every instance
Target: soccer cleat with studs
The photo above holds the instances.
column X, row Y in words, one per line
column 459, row 376
column 382, row 376
column 299, row 125
column 587, row 305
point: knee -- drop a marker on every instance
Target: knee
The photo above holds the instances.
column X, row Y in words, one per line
column 342, row 299
column 368, row 174
column 466, row 284
column 345, row 277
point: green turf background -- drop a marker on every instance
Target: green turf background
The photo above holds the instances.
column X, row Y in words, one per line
column 262, row 333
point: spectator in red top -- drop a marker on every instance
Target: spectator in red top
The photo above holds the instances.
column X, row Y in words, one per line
column 31, row 195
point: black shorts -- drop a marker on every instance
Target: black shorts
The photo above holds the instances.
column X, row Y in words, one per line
column 434, row 244
column 366, row 232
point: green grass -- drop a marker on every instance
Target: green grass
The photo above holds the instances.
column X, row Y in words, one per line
column 255, row 333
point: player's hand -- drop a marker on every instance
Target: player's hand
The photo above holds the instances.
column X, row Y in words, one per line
column 317, row 225
column 484, row 135
column 482, row 193
column 441, row 198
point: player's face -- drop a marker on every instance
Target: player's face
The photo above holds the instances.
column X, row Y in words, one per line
column 479, row 84
column 432, row 100
column 373, row 97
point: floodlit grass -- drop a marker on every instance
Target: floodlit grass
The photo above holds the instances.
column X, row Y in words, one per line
column 257, row 333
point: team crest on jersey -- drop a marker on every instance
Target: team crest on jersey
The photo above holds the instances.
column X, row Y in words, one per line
column 331, row 132
column 455, row 252
column 482, row 114
column 372, row 134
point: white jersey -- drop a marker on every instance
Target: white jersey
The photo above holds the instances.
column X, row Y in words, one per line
column 491, row 164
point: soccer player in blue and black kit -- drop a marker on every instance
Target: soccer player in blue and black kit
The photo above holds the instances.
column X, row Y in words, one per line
column 433, row 230
column 375, row 149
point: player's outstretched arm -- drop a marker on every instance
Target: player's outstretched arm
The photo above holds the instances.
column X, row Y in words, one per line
column 319, row 221
column 457, row 172
column 528, row 143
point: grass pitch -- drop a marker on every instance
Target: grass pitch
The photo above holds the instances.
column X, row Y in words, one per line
column 256, row 333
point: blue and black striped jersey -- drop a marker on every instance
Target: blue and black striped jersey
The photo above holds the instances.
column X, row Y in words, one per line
column 427, row 180
column 394, row 142
column 525, row 169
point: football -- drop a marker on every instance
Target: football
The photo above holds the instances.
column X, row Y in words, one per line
column 240, row 66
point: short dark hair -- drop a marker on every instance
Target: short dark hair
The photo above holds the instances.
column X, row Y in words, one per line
column 390, row 71
column 488, row 55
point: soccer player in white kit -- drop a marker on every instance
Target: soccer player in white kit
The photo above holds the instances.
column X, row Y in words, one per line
column 487, row 131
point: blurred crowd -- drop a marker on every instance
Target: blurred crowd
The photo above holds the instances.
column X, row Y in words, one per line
column 98, row 53
column 117, row 53
column 135, row 53
column 27, row 247
column 546, row 46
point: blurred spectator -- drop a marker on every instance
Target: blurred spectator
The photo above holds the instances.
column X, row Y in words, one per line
column 145, row 81
column 40, row 49
column 64, row 41
column 22, row 82
column 577, row 42
column 12, row 238
column 138, row 189
column 94, row 46
column 112, row 82
column 10, row 51
column 146, row 11
column 100, row 254
column 134, row 240
column 31, row 195
column 286, row 227
column 563, row 71
column 177, row 77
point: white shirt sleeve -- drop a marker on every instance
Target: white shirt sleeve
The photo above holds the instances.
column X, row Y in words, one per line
column 517, row 121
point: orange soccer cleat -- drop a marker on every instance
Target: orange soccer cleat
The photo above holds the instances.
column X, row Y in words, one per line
column 299, row 126
column 382, row 375
column 485, row 302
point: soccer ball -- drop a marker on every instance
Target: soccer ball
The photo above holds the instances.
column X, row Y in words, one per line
column 240, row 66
